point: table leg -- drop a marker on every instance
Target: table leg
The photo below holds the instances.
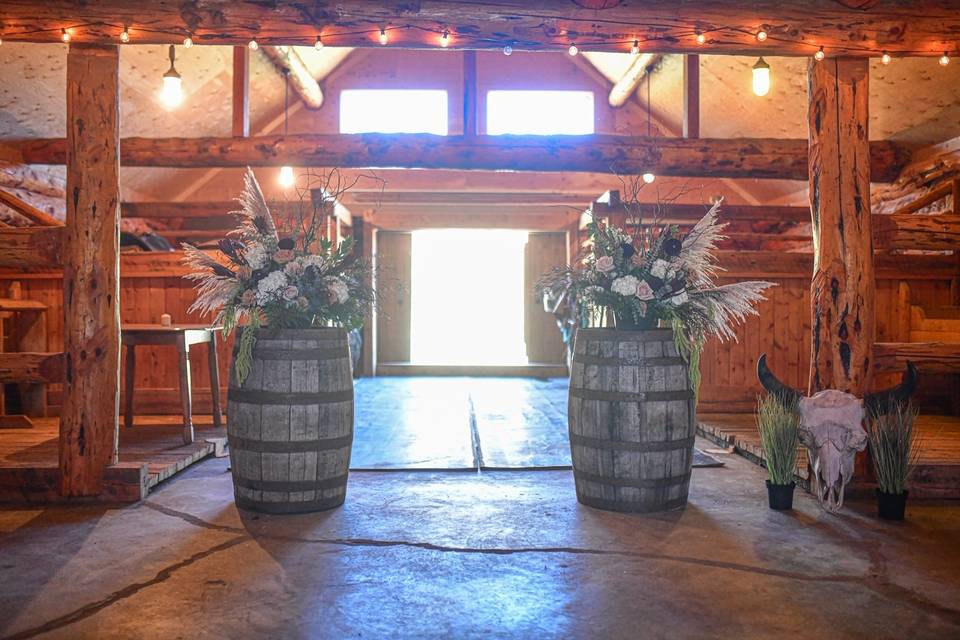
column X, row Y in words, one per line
column 215, row 379
column 131, row 367
column 185, row 392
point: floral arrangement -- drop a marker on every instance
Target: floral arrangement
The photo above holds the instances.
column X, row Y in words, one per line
column 657, row 275
column 279, row 273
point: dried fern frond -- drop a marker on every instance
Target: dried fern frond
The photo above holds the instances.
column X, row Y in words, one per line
column 730, row 304
column 700, row 244
column 254, row 214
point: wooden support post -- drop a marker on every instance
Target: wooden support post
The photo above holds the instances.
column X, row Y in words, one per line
column 91, row 390
column 469, row 94
column 843, row 290
column 691, row 96
column 241, row 92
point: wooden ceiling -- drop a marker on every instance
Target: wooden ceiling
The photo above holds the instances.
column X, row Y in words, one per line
column 794, row 27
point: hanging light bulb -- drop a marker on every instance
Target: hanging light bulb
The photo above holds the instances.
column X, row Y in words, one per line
column 649, row 177
column 1, row 41
column 761, row 35
column 507, row 50
column 383, row 36
column 761, row 77
column 125, row 35
column 885, row 58
column 445, row 39
column 318, row 44
column 187, row 42
column 253, row 45
column 819, row 55
column 64, row 35
column 701, row 38
column 944, row 59
column 573, row 50
column 172, row 93
column 286, row 177
column 635, row 49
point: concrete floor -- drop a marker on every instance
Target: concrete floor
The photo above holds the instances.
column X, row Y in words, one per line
column 506, row 554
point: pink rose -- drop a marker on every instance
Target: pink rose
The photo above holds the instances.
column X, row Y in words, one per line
column 605, row 263
column 248, row 297
column 284, row 255
column 290, row 292
column 293, row 269
column 644, row 292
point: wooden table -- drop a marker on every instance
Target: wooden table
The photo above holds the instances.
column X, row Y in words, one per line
column 182, row 336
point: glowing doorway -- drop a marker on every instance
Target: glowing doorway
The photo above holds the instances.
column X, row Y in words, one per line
column 467, row 297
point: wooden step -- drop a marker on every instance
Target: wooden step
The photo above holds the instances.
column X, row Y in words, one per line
column 31, row 368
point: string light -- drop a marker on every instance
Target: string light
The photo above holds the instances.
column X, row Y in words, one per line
column 286, row 177
column 318, row 44
column 761, row 36
column 649, row 178
column 819, row 55
column 573, row 50
column 761, row 77
column 383, row 36
column 125, row 35
column 253, row 45
column 64, row 35
column 187, row 42
column 172, row 93
column 885, row 58
column 635, row 49
column 445, row 39
column 701, row 38
column 507, row 50
column 944, row 59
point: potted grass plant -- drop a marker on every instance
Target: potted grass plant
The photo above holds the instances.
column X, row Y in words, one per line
column 778, row 423
column 892, row 439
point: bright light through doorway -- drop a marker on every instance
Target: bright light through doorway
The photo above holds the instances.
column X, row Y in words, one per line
column 467, row 297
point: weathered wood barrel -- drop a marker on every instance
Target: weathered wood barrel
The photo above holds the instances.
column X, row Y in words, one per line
column 631, row 415
column 290, row 425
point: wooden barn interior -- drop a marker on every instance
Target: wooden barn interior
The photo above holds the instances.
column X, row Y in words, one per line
column 469, row 144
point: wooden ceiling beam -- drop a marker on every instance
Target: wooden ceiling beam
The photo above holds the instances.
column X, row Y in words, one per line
column 288, row 61
column 624, row 88
column 794, row 27
column 241, row 92
column 704, row 158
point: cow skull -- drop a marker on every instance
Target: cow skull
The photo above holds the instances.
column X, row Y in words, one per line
column 831, row 428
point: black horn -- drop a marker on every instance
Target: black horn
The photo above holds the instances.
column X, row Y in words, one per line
column 887, row 400
column 788, row 396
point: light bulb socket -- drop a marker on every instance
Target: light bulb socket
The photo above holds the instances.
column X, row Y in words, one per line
column 64, row 35
column 125, row 35
column 383, row 36
column 635, row 48
column 318, row 44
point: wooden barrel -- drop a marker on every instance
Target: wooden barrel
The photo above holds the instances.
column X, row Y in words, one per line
column 631, row 414
column 290, row 425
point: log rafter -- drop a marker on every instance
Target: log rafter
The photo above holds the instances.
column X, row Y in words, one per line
column 795, row 27
column 704, row 157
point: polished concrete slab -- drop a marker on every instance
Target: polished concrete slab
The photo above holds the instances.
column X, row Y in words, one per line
column 506, row 554
column 462, row 423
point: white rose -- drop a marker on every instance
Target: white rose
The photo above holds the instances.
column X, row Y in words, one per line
column 679, row 298
column 625, row 286
column 659, row 269
column 255, row 255
column 339, row 291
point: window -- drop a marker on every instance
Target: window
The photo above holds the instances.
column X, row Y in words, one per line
column 540, row 112
column 393, row 111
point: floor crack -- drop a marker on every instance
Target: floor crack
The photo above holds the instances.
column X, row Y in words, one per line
column 475, row 435
column 94, row 607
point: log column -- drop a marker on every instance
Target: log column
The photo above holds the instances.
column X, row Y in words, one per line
column 91, row 266
column 842, row 292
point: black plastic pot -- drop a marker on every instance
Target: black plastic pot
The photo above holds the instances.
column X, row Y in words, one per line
column 891, row 506
column 781, row 495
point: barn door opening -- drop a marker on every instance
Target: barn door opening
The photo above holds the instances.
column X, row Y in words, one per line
column 467, row 297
